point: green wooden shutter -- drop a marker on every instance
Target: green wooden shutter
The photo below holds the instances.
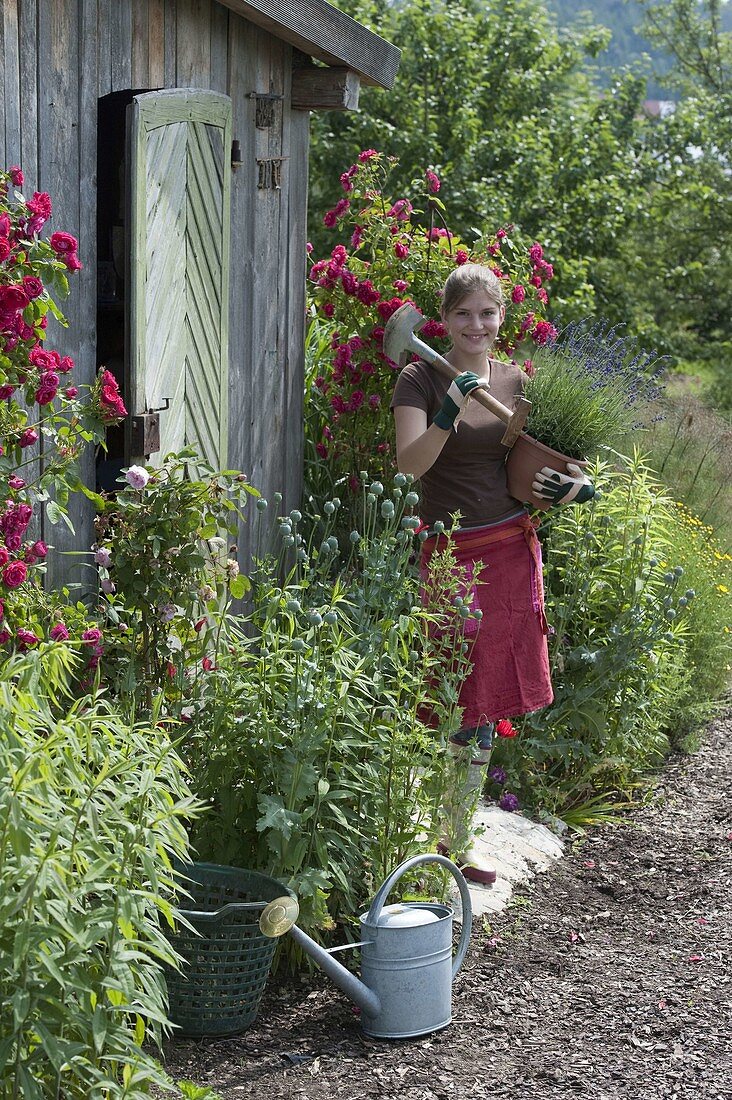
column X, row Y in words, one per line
column 179, row 142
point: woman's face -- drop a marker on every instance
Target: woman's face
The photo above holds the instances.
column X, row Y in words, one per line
column 474, row 322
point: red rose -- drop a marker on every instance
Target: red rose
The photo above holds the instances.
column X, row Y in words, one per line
column 63, row 243
column 32, row 286
column 12, row 298
column 14, row 574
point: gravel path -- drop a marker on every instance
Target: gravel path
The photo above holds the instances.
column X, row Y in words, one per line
column 607, row 978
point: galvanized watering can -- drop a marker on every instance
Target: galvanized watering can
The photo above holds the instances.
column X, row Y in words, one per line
column 407, row 966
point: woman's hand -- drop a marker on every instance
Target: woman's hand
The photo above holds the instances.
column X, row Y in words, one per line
column 561, row 488
column 456, row 399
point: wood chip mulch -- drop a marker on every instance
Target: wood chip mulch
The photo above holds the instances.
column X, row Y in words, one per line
column 608, row 979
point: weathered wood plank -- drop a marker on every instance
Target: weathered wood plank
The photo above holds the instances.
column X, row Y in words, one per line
column 121, row 44
column 104, row 47
column 171, row 44
column 86, row 344
column 322, row 31
column 219, row 48
column 140, row 44
column 5, row 161
column 243, row 348
column 156, row 43
column 59, row 64
column 28, row 37
column 295, row 246
column 11, row 47
column 319, row 89
column 194, row 44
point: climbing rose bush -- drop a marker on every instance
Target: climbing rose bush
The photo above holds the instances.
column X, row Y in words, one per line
column 44, row 423
column 392, row 251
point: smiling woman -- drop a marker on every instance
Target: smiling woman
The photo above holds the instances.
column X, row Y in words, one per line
column 454, row 446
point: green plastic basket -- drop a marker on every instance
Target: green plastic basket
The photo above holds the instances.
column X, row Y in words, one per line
column 226, row 966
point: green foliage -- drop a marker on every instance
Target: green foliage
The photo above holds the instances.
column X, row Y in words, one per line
column 168, row 574
column 690, row 449
column 588, row 388
column 390, row 252
column 91, row 815
column 311, row 745
column 502, row 107
column 634, row 606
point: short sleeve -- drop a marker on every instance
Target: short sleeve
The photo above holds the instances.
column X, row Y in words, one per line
column 411, row 389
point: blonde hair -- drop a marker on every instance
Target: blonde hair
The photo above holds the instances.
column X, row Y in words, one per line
column 464, row 280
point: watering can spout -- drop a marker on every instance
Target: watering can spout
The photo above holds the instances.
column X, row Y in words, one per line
column 354, row 989
column 280, row 916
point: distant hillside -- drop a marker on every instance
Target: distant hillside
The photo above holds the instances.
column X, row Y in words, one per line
column 622, row 17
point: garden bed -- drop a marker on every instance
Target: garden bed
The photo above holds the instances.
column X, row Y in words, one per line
column 606, row 978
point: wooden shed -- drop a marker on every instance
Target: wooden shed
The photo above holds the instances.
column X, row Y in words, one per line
column 172, row 136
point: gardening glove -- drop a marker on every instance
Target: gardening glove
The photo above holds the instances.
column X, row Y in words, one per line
column 560, row 488
column 456, row 399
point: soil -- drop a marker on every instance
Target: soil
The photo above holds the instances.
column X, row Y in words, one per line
column 607, row 978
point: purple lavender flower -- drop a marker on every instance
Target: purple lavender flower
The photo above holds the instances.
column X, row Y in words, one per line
column 508, row 802
column 497, row 775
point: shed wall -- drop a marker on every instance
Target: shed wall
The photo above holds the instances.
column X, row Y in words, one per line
column 57, row 58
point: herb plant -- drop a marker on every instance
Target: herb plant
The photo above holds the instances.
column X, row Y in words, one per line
column 588, row 387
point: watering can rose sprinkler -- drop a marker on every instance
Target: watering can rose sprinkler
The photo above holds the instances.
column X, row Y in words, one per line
column 407, row 966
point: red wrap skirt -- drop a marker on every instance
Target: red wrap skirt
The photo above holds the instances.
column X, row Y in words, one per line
column 509, row 655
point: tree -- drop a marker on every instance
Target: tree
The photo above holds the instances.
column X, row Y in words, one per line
column 497, row 101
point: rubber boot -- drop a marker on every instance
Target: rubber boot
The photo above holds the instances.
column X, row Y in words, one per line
column 465, row 784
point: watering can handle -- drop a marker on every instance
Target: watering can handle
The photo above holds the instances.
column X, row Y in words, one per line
column 380, row 897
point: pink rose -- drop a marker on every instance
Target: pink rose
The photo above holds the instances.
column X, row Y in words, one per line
column 4, row 636
column 39, row 548
column 137, row 477
column 63, row 243
column 14, row 574
column 40, row 205
column 28, row 437
column 72, row 261
column 5, row 249
column 536, row 252
column 461, row 257
column 4, row 556
column 92, row 636
column 71, row 392
column 16, row 482
column 518, row 294
column 366, row 155
column 433, row 182
column 32, row 286
column 6, row 392
column 401, row 251
column 59, row 633
column 16, row 176
column 12, row 298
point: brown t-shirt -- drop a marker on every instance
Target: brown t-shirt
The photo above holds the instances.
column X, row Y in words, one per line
column 469, row 474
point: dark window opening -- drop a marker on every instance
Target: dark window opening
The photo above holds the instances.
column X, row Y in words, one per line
column 112, row 272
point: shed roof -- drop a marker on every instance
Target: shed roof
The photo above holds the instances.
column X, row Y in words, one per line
column 324, row 32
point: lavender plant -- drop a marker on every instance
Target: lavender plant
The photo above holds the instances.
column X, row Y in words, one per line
column 589, row 386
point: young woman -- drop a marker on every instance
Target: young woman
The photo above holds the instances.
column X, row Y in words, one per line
column 453, row 446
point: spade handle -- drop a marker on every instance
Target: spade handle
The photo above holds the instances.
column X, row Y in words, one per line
column 483, row 396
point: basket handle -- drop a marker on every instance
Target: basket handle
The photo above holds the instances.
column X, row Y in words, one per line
column 228, row 909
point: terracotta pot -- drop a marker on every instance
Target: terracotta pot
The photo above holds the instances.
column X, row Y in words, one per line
column 527, row 457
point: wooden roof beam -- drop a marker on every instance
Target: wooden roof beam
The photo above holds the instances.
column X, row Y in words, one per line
column 324, row 32
column 315, row 88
